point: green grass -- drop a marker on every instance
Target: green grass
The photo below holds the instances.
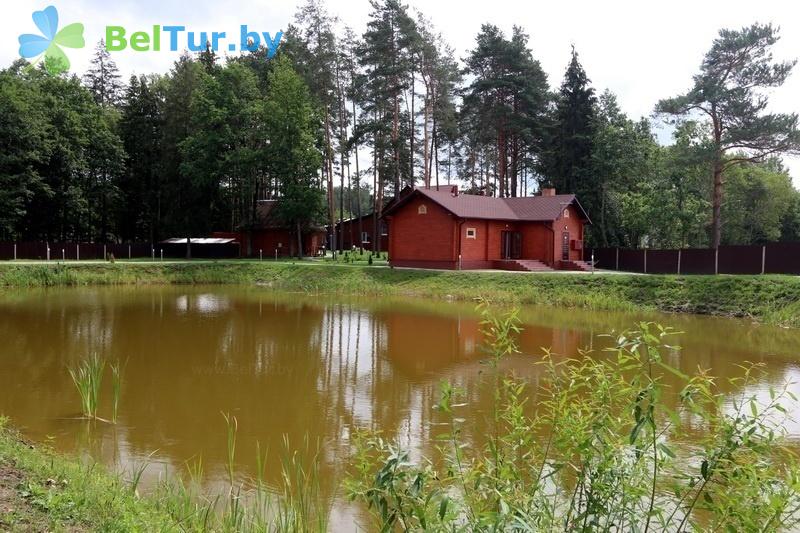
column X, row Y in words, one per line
column 57, row 493
column 771, row 299
column 41, row 490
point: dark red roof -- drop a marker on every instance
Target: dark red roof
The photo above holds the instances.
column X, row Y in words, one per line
column 526, row 208
column 266, row 217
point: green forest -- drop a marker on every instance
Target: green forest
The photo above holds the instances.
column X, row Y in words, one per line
column 337, row 123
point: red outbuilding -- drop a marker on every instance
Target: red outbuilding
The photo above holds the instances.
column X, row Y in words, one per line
column 270, row 236
column 363, row 232
column 431, row 228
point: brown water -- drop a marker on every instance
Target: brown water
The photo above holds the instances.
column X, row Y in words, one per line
column 298, row 366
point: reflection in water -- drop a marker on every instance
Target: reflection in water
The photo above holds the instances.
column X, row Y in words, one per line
column 299, row 366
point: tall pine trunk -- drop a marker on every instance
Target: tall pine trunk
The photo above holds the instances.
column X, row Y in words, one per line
column 514, row 164
column 299, row 240
column 502, row 161
column 412, row 120
column 329, row 168
column 716, row 205
column 358, row 182
column 717, row 170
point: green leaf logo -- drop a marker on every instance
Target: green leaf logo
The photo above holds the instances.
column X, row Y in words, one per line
column 47, row 46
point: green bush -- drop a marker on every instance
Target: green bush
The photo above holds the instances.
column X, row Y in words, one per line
column 601, row 451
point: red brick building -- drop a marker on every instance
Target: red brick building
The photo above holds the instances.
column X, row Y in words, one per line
column 431, row 228
column 270, row 235
column 360, row 232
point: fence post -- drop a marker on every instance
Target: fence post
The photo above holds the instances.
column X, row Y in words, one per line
column 260, row 254
column 152, row 253
column 679, row 261
column 616, row 264
column 15, row 251
column 162, row 254
column 716, row 261
column 645, row 260
column 77, row 252
column 48, row 252
column 105, row 255
column 763, row 259
column 129, row 252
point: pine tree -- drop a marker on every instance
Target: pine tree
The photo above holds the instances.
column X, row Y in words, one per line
column 386, row 60
column 312, row 46
column 728, row 95
column 103, row 78
column 440, row 76
column 505, row 103
column 208, row 58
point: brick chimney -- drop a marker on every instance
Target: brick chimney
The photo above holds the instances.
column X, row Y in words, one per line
column 548, row 191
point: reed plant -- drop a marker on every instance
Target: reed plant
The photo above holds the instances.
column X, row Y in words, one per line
column 232, row 427
column 87, row 375
column 301, row 505
column 117, row 370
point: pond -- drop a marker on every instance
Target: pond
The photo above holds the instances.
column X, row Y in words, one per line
column 298, row 366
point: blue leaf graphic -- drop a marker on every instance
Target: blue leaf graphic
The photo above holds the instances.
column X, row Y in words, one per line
column 32, row 45
column 47, row 21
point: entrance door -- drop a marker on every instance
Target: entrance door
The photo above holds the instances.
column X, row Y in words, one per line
column 565, row 246
column 510, row 244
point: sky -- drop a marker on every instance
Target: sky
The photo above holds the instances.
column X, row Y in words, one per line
column 640, row 50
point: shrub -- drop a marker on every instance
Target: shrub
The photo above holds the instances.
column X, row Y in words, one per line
column 601, row 450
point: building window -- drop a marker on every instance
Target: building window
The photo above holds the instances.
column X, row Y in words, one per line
column 566, row 213
column 364, row 236
column 384, row 229
column 472, row 233
column 422, row 210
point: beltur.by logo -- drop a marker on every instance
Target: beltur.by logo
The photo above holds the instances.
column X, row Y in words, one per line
column 176, row 38
column 47, row 46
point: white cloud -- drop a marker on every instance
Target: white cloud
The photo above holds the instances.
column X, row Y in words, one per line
column 642, row 51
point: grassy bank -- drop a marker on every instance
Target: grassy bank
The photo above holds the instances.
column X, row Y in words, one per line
column 771, row 299
column 43, row 491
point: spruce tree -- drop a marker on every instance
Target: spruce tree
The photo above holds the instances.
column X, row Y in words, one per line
column 103, row 78
column 568, row 165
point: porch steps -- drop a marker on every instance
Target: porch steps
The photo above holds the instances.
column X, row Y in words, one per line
column 582, row 266
column 522, row 265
